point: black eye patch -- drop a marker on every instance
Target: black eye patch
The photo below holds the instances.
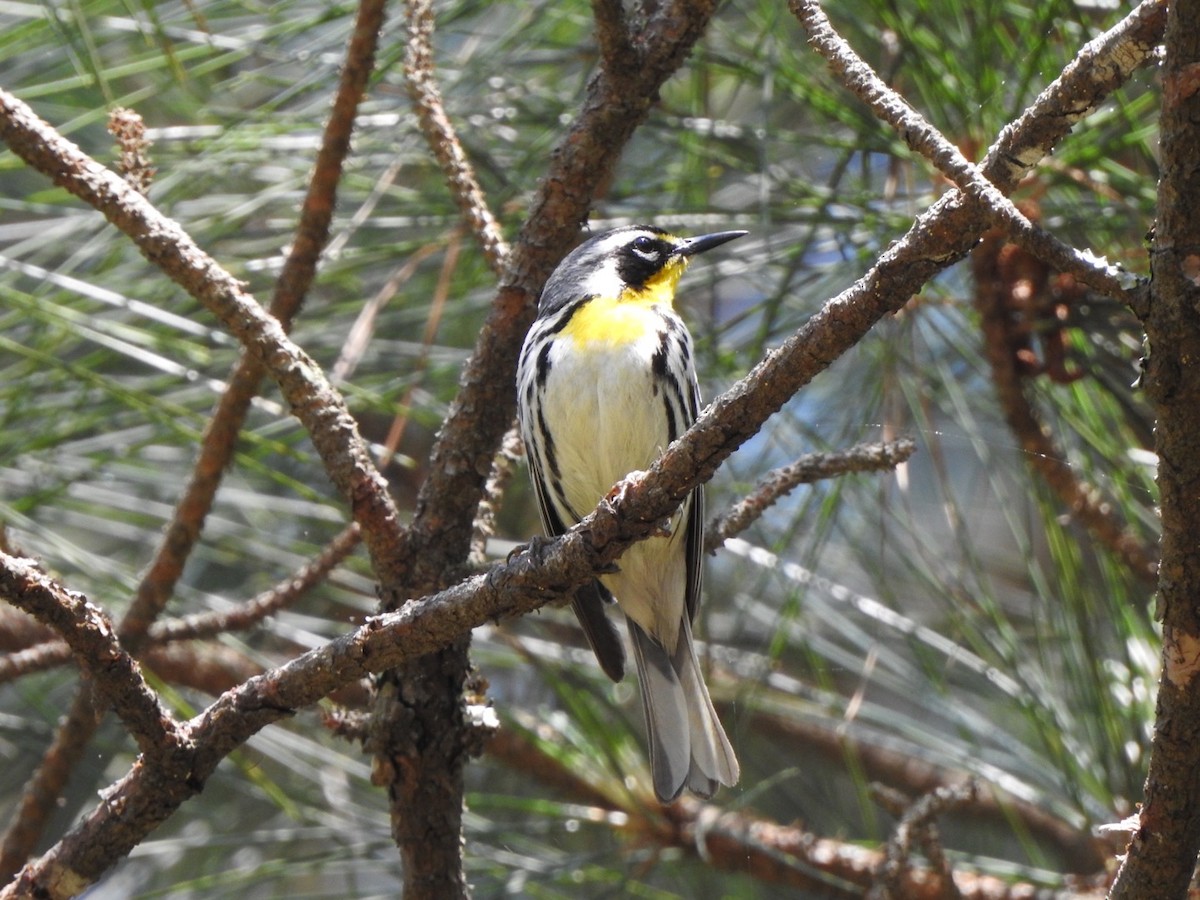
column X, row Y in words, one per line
column 641, row 258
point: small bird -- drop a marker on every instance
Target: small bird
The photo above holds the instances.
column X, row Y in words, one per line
column 605, row 382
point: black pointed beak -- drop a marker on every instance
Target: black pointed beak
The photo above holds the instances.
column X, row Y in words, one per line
column 692, row 246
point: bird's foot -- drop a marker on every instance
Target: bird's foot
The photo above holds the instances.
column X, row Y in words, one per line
column 536, row 548
column 618, row 493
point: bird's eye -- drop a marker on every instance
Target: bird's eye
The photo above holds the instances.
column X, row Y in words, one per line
column 645, row 247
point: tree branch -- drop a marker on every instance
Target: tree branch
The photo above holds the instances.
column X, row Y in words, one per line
column 612, row 36
column 299, row 269
column 940, row 237
column 923, row 138
column 158, row 584
column 1161, row 857
column 313, row 400
column 94, row 643
column 811, row 467
column 930, row 143
column 148, row 794
column 917, row 826
column 50, row 652
column 441, row 137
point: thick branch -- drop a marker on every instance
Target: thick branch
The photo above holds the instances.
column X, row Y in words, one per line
column 1162, row 854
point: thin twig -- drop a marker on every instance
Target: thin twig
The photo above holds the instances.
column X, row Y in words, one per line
column 811, row 467
column 923, row 138
column 440, row 134
column 358, row 338
column 130, row 131
column 49, row 654
column 1083, row 501
column 917, row 826
column 251, row 613
column 437, row 306
column 503, row 468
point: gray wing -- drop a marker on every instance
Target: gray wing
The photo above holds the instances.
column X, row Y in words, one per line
column 695, row 510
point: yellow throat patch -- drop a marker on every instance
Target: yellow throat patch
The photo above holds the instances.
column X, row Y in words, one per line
column 619, row 320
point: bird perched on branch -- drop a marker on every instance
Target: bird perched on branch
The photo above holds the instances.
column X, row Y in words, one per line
column 606, row 381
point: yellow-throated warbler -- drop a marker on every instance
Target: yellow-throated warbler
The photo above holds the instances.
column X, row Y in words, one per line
column 606, row 381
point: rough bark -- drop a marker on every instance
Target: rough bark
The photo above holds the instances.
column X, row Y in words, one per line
column 1162, row 852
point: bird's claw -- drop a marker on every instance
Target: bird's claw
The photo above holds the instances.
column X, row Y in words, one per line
column 619, row 492
column 536, row 548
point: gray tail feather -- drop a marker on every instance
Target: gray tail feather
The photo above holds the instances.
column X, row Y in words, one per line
column 688, row 746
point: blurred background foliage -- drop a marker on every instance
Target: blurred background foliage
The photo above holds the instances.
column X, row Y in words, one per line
column 949, row 614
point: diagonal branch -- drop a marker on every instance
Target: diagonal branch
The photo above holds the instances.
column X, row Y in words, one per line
column 941, row 236
column 94, row 643
column 1081, row 499
column 808, row 468
column 926, row 140
column 299, row 269
column 313, row 400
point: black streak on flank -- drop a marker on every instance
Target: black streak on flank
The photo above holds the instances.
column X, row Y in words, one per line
column 543, row 365
column 548, row 446
column 685, row 352
column 672, row 424
column 658, row 362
